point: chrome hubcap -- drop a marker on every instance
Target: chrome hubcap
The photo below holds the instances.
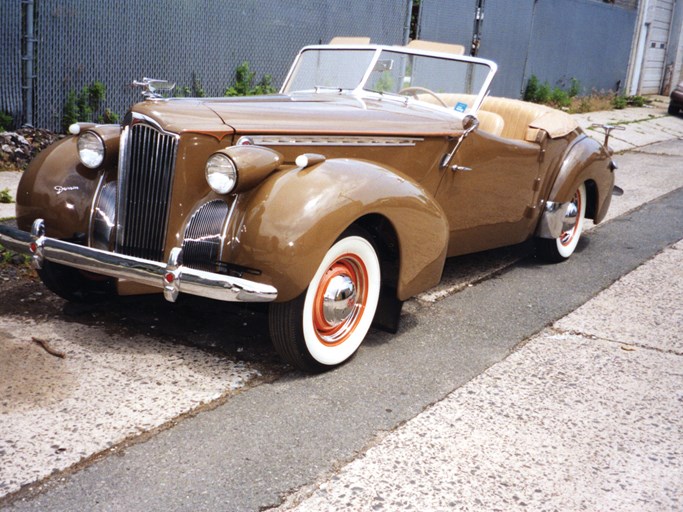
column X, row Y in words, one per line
column 570, row 217
column 571, row 220
column 339, row 300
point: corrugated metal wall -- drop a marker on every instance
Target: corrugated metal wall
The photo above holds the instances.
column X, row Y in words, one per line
column 554, row 39
column 118, row 41
column 10, row 65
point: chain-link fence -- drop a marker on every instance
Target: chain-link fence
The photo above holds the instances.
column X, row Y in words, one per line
column 115, row 42
column 10, row 64
column 118, row 41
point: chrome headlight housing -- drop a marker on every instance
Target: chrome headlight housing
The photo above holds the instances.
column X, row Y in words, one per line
column 90, row 149
column 221, row 173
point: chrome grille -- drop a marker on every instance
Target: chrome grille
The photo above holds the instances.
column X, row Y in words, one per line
column 146, row 175
column 204, row 236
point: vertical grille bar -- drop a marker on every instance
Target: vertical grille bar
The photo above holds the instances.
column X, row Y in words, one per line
column 145, row 190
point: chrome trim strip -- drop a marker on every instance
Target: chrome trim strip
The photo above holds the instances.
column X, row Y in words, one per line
column 121, row 188
column 93, row 204
column 333, row 140
column 153, row 273
column 226, row 225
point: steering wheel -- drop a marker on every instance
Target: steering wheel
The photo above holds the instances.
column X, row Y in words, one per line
column 414, row 90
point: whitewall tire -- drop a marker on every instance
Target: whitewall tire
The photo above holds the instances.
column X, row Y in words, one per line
column 325, row 325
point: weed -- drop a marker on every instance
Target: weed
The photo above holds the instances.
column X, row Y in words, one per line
column 244, row 83
column 6, row 121
column 85, row 105
column 574, row 88
column 8, row 257
column 560, row 98
column 619, row 102
column 5, row 196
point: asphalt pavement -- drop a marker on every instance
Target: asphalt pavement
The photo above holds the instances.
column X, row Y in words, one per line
column 585, row 415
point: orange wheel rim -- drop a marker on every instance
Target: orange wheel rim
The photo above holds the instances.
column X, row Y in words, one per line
column 333, row 334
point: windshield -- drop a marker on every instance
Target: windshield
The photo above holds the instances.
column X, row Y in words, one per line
column 457, row 81
column 336, row 69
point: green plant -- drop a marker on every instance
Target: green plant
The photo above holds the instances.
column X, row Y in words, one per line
column 8, row 257
column 108, row 117
column 619, row 102
column 244, row 83
column 182, row 92
column 560, row 98
column 531, row 91
column 5, row 196
column 197, row 89
column 69, row 111
column 85, row 105
column 636, row 101
column 6, row 121
column 385, row 82
column 574, row 88
column 543, row 94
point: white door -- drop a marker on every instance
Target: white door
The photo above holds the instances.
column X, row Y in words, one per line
column 654, row 58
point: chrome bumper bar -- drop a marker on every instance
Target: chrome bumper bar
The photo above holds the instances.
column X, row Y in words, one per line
column 173, row 277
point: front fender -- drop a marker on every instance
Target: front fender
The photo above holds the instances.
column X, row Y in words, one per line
column 285, row 227
column 59, row 189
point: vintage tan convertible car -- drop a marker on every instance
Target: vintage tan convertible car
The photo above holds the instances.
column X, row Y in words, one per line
column 335, row 200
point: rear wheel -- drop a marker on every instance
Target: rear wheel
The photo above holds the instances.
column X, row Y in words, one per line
column 73, row 285
column 325, row 325
column 559, row 249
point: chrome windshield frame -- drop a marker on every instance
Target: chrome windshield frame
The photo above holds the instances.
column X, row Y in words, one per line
column 360, row 91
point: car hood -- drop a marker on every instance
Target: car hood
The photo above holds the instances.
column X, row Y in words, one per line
column 310, row 114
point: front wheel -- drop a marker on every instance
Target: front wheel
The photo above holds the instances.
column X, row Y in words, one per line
column 74, row 285
column 559, row 249
column 325, row 325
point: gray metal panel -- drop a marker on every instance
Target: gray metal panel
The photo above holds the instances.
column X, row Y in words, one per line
column 554, row 39
column 10, row 64
column 117, row 41
column 581, row 39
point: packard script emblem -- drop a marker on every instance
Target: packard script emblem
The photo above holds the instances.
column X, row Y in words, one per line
column 59, row 189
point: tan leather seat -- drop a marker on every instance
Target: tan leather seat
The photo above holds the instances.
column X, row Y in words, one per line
column 491, row 122
column 518, row 115
column 520, row 120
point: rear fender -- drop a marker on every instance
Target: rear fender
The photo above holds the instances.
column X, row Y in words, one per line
column 286, row 225
column 586, row 161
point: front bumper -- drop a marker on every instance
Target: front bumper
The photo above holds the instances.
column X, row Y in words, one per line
column 173, row 277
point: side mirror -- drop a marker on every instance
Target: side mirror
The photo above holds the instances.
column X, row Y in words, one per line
column 469, row 124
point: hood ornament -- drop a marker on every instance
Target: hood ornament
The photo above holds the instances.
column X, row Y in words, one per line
column 153, row 88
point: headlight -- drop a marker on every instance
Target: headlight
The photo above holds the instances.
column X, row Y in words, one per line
column 90, row 149
column 221, row 174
